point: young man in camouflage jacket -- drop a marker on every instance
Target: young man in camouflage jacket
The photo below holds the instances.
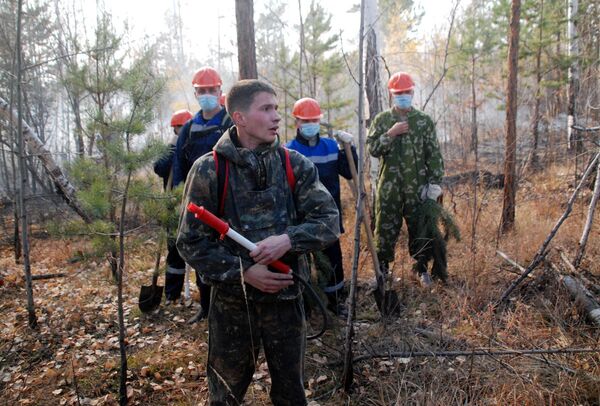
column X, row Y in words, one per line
column 251, row 304
column 410, row 171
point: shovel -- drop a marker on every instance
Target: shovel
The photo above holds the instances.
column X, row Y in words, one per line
column 151, row 296
column 385, row 298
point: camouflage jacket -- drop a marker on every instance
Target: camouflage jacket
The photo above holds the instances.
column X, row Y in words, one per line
column 259, row 203
column 413, row 159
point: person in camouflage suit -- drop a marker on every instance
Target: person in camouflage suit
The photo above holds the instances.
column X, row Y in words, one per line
column 410, row 171
column 249, row 303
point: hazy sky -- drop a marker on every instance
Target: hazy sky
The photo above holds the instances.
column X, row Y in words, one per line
column 204, row 20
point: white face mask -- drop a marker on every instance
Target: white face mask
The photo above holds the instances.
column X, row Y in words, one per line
column 208, row 102
column 403, row 101
column 310, row 130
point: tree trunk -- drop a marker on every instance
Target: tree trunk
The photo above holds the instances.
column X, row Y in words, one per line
column 121, row 267
column 573, row 92
column 301, row 52
column 348, row 372
column 583, row 298
column 32, row 319
column 508, row 209
column 244, row 15
column 38, row 149
column 590, row 219
column 474, row 137
column 376, row 93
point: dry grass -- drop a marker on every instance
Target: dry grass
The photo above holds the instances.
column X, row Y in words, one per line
column 540, row 314
column 78, row 311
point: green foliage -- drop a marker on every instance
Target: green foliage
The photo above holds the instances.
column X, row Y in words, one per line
column 165, row 209
column 431, row 215
column 124, row 89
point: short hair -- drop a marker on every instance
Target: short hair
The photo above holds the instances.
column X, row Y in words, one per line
column 241, row 95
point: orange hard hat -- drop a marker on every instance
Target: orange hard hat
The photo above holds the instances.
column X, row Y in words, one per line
column 400, row 82
column 206, row 77
column 180, row 117
column 306, row 109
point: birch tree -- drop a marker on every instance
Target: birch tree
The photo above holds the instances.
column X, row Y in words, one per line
column 573, row 91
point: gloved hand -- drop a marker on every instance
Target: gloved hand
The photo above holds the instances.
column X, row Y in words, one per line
column 431, row 191
column 173, row 139
column 345, row 137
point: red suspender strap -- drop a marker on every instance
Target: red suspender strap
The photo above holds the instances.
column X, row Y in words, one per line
column 221, row 185
column 222, row 204
column 289, row 171
column 216, row 159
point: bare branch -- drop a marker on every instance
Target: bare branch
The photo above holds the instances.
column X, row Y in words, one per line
column 444, row 66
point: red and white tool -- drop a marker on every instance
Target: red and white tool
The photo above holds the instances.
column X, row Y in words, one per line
column 222, row 227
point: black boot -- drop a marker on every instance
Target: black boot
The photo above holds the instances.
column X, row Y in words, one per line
column 387, row 303
column 336, row 303
column 199, row 316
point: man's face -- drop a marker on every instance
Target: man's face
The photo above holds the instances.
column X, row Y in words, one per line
column 215, row 91
column 260, row 123
column 299, row 121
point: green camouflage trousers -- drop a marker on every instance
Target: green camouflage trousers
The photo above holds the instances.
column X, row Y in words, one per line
column 391, row 207
column 236, row 330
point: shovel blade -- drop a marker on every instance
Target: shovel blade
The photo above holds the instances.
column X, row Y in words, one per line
column 150, row 297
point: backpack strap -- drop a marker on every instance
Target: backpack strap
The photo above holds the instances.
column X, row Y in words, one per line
column 284, row 154
column 223, row 175
column 222, row 180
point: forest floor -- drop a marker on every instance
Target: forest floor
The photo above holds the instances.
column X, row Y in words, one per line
column 73, row 356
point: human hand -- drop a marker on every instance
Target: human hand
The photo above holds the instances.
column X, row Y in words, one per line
column 431, row 191
column 344, row 137
column 397, row 129
column 266, row 281
column 271, row 249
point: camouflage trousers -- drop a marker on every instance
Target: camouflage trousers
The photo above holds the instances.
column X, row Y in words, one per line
column 389, row 213
column 236, row 330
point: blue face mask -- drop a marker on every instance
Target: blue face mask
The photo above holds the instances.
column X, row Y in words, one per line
column 309, row 130
column 403, row 101
column 208, row 102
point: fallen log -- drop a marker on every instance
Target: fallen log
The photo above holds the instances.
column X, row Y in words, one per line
column 582, row 297
column 47, row 276
column 477, row 353
column 488, row 179
column 38, row 149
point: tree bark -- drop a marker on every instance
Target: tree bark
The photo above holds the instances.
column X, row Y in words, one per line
column 348, row 371
column 32, row 318
column 375, row 91
column 534, row 163
column 573, row 91
column 474, row 127
column 301, row 52
column 244, row 15
column 583, row 298
column 508, row 209
column 54, row 171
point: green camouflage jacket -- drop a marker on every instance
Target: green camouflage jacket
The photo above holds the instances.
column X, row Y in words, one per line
column 259, row 203
column 414, row 159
